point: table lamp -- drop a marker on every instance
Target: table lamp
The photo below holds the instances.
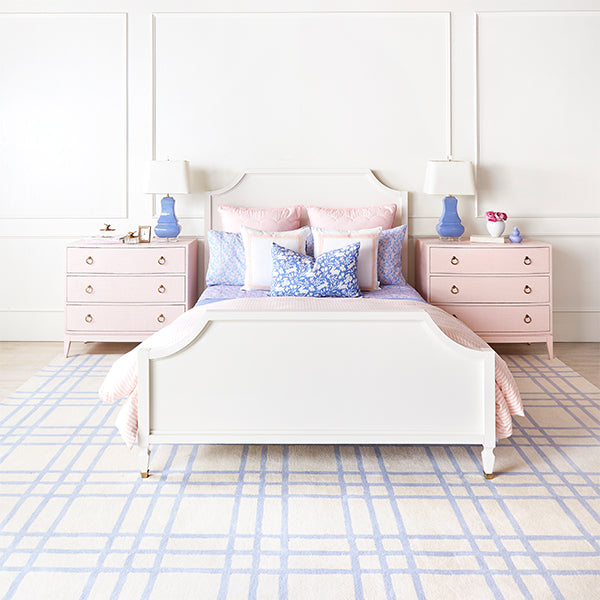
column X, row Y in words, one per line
column 167, row 177
column 449, row 177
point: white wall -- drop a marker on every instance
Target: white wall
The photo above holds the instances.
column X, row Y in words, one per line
column 90, row 91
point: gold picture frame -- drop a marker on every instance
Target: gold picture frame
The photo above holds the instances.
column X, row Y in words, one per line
column 144, row 234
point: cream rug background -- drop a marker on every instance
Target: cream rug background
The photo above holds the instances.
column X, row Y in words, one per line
column 298, row 522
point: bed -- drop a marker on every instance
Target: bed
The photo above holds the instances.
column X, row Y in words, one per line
column 243, row 367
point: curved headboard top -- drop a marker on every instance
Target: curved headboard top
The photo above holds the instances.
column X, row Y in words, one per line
column 335, row 189
column 341, row 189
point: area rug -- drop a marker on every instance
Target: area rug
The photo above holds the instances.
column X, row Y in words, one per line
column 297, row 522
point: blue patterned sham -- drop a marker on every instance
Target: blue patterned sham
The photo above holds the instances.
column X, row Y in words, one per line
column 331, row 275
column 389, row 256
column 227, row 260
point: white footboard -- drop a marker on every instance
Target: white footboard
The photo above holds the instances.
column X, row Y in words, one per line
column 317, row 378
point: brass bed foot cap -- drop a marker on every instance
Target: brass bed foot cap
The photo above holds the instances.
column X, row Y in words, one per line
column 144, row 474
column 487, row 475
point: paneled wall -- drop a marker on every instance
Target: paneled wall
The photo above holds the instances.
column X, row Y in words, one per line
column 91, row 91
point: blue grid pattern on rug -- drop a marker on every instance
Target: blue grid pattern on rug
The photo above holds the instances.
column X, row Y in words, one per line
column 297, row 522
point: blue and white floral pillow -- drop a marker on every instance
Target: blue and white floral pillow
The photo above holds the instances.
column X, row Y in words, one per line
column 332, row 274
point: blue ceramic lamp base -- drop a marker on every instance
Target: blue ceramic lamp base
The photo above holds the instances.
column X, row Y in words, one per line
column 167, row 225
column 449, row 226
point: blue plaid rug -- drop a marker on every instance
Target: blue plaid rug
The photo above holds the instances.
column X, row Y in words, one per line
column 297, row 522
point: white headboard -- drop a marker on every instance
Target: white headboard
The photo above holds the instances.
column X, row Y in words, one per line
column 309, row 188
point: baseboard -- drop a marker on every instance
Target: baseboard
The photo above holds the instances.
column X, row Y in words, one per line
column 576, row 326
column 32, row 325
column 48, row 326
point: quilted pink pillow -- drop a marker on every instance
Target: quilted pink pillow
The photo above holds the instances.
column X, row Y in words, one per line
column 366, row 217
column 285, row 218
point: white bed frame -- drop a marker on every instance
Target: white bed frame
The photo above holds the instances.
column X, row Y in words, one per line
column 325, row 377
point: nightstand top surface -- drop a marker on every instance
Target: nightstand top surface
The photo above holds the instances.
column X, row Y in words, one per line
column 468, row 244
column 155, row 243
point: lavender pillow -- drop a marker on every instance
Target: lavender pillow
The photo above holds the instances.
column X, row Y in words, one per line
column 227, row 261
column 389, row 256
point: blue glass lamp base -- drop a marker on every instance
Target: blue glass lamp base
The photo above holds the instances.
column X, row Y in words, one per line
column 449, row 225
column 167, row 225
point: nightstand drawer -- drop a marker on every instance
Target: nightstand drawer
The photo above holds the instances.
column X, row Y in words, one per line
column 446, row 289
column 120, row 317
column 489, row 260
column 106, row 288
column 502, row 319
column 137, row 259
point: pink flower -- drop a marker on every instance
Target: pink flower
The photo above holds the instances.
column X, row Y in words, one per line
column 495, row 216
column 501, row 216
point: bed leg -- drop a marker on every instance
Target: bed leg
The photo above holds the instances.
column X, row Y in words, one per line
column 144, row 462
column 487, row 458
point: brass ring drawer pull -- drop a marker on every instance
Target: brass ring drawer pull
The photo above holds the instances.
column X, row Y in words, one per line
column 162, row 289
column 162, row 260
column 527, row 261
column 89, row 289
column 454, row 260
column 89, row 318
column 527, row 289
column 454, row 289
column 161, row 318
column 89, row 260
column 527, row 319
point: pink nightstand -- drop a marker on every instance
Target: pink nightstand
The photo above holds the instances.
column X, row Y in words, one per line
column 503, row 292
column 125, row 292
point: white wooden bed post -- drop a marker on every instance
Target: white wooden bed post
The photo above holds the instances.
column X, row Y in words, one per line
column 144, row 410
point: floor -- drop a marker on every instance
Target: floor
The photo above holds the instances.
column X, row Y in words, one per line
column 20, row 360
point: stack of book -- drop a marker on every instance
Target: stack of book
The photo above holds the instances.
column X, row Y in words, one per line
column 104, row 239
column 489, row 239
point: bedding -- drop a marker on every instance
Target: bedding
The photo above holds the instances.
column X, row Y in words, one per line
column 216, row 293
column 284, row 218
column 227, row 262
column 121, row 381
column 389, row 256
column 257, row 251
column 364, row 217
column 332, row 274
column 330, row 239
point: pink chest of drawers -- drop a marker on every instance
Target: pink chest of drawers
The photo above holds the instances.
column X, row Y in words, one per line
column 503, row 292
column 126, row 292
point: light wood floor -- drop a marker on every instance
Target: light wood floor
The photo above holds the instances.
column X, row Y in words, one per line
column 20, row 360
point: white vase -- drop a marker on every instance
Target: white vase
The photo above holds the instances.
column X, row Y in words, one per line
column 495, row 228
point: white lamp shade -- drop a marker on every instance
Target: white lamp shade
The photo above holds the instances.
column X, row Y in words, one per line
column 449, row 177
column 168, row 177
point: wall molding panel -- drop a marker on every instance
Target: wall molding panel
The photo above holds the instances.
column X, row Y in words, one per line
column 536, row 143
column 64, row 146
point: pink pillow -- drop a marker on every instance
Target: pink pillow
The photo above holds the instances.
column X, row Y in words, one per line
column 285, row 218
column 366, row 217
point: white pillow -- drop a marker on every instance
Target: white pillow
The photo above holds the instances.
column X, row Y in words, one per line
column 257, row 249
column 330, row 239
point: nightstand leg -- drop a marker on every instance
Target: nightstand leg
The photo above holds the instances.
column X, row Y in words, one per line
column 550, row 347
column 67, row 347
